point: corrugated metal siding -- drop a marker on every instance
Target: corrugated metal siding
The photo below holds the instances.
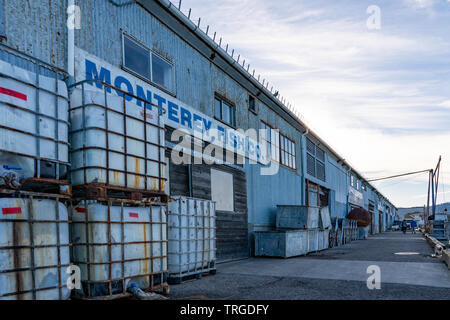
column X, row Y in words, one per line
column 38, row 28
column 2, row 18
column 196, row 81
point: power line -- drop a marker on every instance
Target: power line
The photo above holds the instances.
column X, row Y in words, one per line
column 400, row 175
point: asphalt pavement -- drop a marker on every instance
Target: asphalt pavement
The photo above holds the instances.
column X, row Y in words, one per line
column 407, row 271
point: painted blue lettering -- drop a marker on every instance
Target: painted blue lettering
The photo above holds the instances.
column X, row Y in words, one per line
column 186, row 118
column 233, row 140
column 207, row 125
column 198, row 123
column 251, row 148
column 240, row 142
column 140, row 93
column 161, row 100
column 118, row 84
column 221, row 133
column 173, row 112
column 92, row 74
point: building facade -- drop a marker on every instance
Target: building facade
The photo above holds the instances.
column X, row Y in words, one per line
column 151, row 50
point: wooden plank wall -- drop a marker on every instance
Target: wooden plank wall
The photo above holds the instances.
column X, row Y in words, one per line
column 232, row 227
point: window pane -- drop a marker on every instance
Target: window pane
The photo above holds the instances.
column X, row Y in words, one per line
column 320, row 154
column 251, row 103
column 226, row 112
column 233, row 115
column 310, row 165
column 162, row 72
column 217, row 107
column 136, row 58
column 310, row 147
column 320, row 170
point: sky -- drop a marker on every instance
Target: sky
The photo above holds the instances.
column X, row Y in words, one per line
column 378, row 93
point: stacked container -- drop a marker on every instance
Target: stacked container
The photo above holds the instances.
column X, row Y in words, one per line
column 192, row 238
column 118, row 244
column 300, row 230
column 34, row 235
column 119, row 208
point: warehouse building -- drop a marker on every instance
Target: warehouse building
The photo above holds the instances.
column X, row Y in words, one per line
column 150, row 49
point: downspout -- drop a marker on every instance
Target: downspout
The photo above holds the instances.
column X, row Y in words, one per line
column 348, row 194
column 303, row 146
column 70, row 44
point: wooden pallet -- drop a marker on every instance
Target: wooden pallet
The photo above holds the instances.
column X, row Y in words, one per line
column 180, row 278
column 106, row 192
column 40, row 186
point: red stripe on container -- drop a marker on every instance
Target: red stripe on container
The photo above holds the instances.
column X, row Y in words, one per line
column 134, row 215
column 80, row 210
column 12, row 210
column 13, row 93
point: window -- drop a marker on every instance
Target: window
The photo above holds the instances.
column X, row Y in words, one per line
column 147, row 64
column 271, row 139
column 315, row 160
column 279, row 147
column 222, row 191
column 136, row 58
column 311, row 165
column 371, row 206
column 252, row 103
column 224, row 111
column 162, row 72
column 288, row 152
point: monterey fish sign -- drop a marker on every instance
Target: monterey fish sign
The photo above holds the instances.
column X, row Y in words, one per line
column 178, row 115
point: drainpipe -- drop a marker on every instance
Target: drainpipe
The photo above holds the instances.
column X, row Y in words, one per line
column 303, row 146
column 348, row 195
column 70, row 45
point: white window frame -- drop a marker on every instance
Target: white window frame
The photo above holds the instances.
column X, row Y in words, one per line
column 151, row 53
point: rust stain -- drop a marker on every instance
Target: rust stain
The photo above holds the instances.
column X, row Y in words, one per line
column 137, row 179
column 154, row 184
column 17, row 231
column 163, row 184
column 146, row 270
column 115, row 177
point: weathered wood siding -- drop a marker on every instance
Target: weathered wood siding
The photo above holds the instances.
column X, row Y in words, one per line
column 232, row 227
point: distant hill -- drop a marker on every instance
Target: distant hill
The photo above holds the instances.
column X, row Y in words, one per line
column 440, row 208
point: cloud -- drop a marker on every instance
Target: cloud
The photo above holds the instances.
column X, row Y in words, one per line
column 380, row 98
column 420, row 4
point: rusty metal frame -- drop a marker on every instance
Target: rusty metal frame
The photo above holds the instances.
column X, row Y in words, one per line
column 123, row 94
column 31, row 221
column 59, row 74
column 89, row 245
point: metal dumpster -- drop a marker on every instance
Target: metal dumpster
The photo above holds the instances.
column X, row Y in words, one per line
column 297, row 217
column 324, row 239
column 284, row 244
